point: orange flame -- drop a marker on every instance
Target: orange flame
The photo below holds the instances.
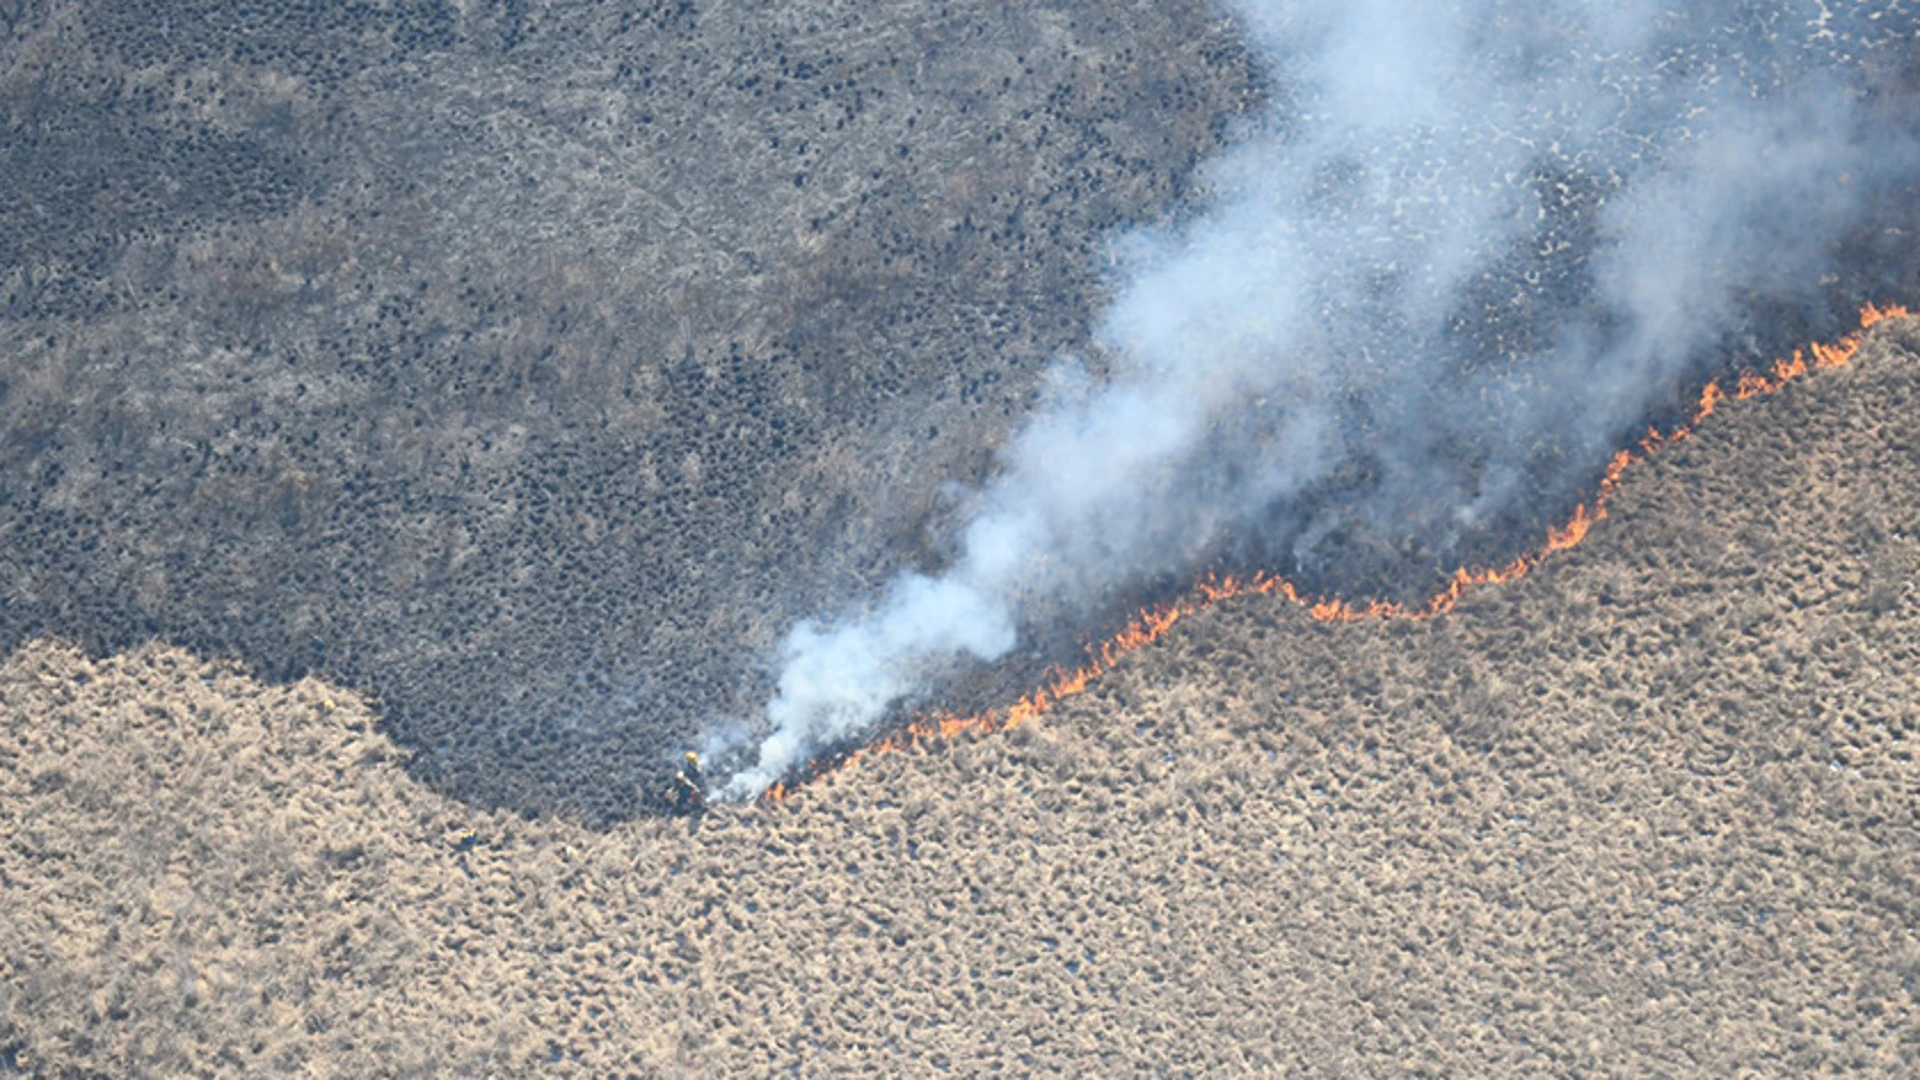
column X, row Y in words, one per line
column 1153, row 623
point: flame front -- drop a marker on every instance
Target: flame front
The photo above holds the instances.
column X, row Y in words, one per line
column 1153, row 623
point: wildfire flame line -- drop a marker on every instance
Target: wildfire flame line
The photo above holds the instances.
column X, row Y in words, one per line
column 1153, row 623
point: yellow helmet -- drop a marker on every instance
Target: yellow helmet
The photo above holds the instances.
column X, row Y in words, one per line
column 691, row 758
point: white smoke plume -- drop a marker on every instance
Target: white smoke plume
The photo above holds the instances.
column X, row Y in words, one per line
column 1464, row 231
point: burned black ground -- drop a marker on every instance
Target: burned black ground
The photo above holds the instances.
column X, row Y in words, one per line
column 533, row 367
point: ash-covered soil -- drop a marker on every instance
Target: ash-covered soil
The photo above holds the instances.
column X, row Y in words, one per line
column 1653, row 810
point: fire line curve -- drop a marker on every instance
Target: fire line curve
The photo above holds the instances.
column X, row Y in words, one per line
column 1153, row 623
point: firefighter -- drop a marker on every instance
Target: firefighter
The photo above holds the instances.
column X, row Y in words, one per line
column 687, row 796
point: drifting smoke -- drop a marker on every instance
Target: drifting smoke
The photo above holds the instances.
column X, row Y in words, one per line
column 1462, row 255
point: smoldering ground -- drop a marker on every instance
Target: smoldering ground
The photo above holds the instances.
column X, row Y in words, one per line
column 1466, row 251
